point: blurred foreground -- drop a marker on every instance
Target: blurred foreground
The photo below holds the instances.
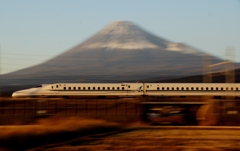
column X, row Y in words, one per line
column 50, row 131
column 72, row 133
column 117, row 124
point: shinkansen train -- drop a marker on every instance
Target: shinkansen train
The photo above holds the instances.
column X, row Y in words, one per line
column 131, row 89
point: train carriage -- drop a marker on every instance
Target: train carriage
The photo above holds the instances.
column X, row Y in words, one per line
column 131, row 89
column 82, row 89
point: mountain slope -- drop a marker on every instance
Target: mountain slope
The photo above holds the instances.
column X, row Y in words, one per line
column 120, row 52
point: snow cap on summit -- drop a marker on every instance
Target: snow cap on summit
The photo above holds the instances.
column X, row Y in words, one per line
column 124, row 35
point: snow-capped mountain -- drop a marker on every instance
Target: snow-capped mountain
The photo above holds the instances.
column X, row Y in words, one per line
column 124, row 35
column 121, row 51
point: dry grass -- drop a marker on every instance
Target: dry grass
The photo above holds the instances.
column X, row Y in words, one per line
column 55, row 130
column 49, row 131
column 137, row 148
column 162, row 140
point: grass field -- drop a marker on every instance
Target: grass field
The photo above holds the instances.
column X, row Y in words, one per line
column 161, row 139
column 49, row 131
column 72, row 134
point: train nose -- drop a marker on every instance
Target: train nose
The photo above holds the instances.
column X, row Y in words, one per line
column 18, row 94
column 15, row 94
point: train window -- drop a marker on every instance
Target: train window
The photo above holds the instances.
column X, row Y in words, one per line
column 211, row 88
column 172, row 88
column 196, row 88
column 206, row 88
column 117, row 88
column 69, row 88
column 103, row 88
column 89, row 88
column 182, row 88
column 93, row 88
column 64, row 88
column 108, row 88
column 74, row 88
column 79, row 88
column 177, row 88
column 98, row 88
column 216, row 88
column 113, row 88
column 192, row 88
column 186, row 88
column 162, row 88
column 122, row 88
column 157, row 88
column 167, row 88
column 129, row 86
column 83, row 88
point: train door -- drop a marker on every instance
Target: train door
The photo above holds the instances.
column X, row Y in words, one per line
column 128, row 87
column 144, row 89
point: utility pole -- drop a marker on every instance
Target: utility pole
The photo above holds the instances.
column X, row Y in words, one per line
column 229, row 79
column 207, row 68
column 0, row 71
column 229, row 67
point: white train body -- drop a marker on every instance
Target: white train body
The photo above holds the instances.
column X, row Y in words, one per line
column 192, row 89
column 131, row 89
column 82, row 89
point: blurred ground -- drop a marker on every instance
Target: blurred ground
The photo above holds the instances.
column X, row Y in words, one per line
column 62, row 127
column 50, row 131
column 164, row 140
column 72, row 133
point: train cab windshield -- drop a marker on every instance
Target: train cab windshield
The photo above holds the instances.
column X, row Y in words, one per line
column 38, row 86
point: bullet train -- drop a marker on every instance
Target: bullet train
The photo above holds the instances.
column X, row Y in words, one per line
column 130, row 90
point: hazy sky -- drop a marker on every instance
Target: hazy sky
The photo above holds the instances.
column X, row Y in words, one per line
column 33, row 31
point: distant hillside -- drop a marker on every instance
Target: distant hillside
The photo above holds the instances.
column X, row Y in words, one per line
column 121, row 52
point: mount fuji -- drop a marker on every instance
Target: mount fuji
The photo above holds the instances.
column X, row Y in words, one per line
column 121, row 52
